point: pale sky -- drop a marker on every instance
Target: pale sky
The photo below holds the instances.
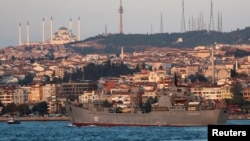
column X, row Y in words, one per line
column 140, row 16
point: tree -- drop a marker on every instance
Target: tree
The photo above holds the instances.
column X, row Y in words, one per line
column 106, row 103
column 237, row 94
column 23, row 109
column 1, row 104
column 27, row 80
column 41, row 108
column 1, row 107
column 11, row 108
column 147, row 106
column 197, row 77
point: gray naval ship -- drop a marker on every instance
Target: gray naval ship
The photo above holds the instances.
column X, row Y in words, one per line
column 176, row 106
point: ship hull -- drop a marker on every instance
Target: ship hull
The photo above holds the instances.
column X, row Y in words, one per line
column 83, row 117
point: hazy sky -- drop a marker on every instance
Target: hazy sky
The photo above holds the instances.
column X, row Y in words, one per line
column 140, row 16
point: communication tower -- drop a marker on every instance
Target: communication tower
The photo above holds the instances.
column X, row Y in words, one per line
column 121, row 12
column 211, row 23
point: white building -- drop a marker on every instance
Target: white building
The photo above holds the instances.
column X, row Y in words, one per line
column 62, row 36
column 48, row 91
column 88, row 97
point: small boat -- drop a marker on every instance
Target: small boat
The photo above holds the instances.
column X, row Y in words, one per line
column 13, row 120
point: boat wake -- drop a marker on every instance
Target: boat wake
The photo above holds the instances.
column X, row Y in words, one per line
column 91, row 126
column 71, row 125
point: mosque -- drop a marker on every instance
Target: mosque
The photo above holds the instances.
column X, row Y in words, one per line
column 61, row 36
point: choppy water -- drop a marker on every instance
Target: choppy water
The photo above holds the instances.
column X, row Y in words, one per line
column 63, row 131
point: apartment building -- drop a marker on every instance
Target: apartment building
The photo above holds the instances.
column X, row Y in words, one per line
column 88, row 97
column 212, row 92
column 72, row 90
column 11, row 94
column 35, row 94
column 246, row 93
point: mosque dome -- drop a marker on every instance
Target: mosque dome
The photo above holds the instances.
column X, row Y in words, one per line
column 63, row 28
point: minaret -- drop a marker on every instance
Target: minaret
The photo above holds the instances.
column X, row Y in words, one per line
column 161, row 26
column 219, row 26
column 212, row 59
column 19, row 34
column 78, row 31
column 236, row 65
column 106, row 30
column 121, row 22
column 122, row 53
column 151, row 29
column 43, row 38
column 51, row 28
column 70, row 26
column 183, row 26
column 28, row 34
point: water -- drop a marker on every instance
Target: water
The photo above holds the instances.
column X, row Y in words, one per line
column 63, row 131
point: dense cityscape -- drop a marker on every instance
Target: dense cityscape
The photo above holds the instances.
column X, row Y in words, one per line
column 38, row 77
column 37, row 74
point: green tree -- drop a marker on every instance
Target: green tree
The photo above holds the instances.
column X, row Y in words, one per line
column 1, row 108
column 41, row 108
column 27, row 80
column 106, row 103
column 237, row 94
column 11, row 108
column 1, row 104
column 118, row 110
column 23, row 109
column 197, row 77
column 147, row 106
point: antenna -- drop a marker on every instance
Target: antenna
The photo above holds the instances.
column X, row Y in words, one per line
column 121, row 12
column 211, row 24
column 221, row 29
column 161, row 26
column 20, row 34
column 183, row 26
column 51, row 26
column 28, row 40
column 43, row 31
column 106, row 32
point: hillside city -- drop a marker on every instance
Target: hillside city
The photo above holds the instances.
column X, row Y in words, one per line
column 35, row 73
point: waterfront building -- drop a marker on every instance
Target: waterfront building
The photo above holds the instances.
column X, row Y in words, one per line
column 49, row 90
column 35, row 93
column 73, row 90
column 212, row 92
column 88, row 97
column 11, row 94
column 226, row 91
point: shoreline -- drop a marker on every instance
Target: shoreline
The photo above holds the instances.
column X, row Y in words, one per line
column 64, row 118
